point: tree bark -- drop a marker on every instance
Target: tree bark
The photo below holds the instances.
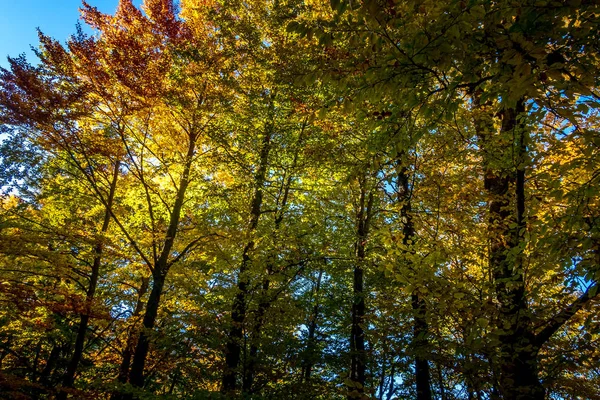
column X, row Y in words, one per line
column 263, row 306
column 266, row 300
column 159, row 273
column 233, row 349
column 136, row 375
column 130, row 344
column 391, row 388
column 420, row 327
column 421, row 345
column 505, row 185
column 51, row 364
column 69, row 377
column 309, row 359
column 358, row 356
column 518, row 351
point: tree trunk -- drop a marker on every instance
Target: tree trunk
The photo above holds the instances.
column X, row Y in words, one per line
column 505, row 185
column 518, row 351
column 238, row 316
column 130, row 344
column 358, row 356
column 233, row 349
column 357, row 336
column 471, row 379
column 159, row 273
column 36, row 360
column 382, row 377
column 421, row 346
column 420, row 327
column 136, row 375
column 123, row 376
column 50, row 364
column 263, row 306
column 69, row 377
column 266, row 301
column 392, row 388
column 441, row 382
column 309, row 359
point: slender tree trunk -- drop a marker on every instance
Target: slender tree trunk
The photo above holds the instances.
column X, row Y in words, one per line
column 357, row 336
column 69, row 377
column 266, row 301
column 420, row 327
column 470, row 377
column 233, row 349
column 173, row 383
column 159, row 273
column 130, row 344
column 441, row 382
column 263, row 306
column 36, row 360
column 421, row 345
column 358, row 356
column 309, row 359
column 136, row 375
column 382, row 378
column 238, row 315
column 392, row 388
column 50, row 364
column 123, row 376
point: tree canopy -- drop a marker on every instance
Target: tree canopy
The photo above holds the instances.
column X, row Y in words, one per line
column 300, row 199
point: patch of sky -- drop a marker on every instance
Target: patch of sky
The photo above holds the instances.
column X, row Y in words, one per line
column 19, row 21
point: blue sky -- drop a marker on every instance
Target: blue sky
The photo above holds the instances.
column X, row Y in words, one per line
column 20, row 18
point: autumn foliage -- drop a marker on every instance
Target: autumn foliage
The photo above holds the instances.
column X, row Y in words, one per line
column 302, row 199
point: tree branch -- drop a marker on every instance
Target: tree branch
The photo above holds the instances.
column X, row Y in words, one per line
column 564, row 315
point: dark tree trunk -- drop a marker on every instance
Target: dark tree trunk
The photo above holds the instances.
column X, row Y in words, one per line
column 358, row 356
column 309, row 359
column 234, row 344
column 69, row 377
column 233, row 350
column 159, row 273
column 263, row 306
column 441, row 382
column 382, row 377
column 518, row 350
column 266, row 300
column 173, row 383
column 36, row 360
column 130, row 344
column 471, row 378
column 357, row 336
column 50, row 364
column 420, row 327
column 391, row 388
column 421, row 345
column 505, row 185
column 136, row 375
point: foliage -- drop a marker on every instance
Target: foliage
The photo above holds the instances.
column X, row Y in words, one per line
column 304, row 199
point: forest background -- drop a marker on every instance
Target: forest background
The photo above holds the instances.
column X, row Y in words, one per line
column 304, row 199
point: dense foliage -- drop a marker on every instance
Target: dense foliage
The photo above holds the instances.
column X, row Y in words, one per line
column 298, row 199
